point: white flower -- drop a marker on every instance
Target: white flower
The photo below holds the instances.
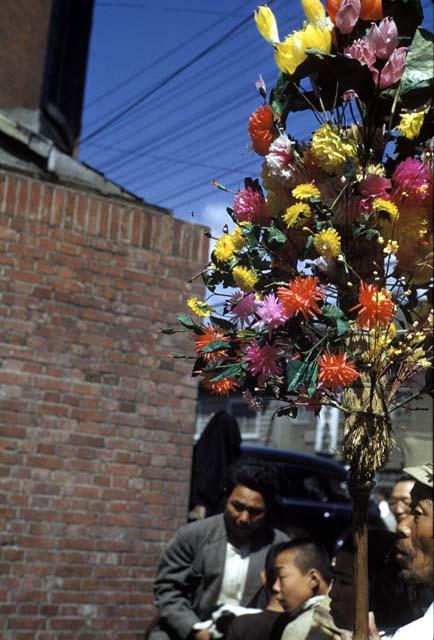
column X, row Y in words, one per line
column 280, row 159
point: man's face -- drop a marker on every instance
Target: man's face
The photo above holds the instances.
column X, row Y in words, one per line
column 415, row 547
column 400, row 499
column 292, row 588
column 245, row 512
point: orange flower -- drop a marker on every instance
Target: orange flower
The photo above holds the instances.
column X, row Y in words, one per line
column 370, row 9
column 261, row 129
column 336, row 371
column 301, row 296
column 210, row 334
column 221, row 387
column 375, row 306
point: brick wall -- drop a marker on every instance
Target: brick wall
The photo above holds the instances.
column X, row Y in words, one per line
column 96, row 423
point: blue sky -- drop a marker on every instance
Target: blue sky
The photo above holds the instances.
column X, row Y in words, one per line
column 190, row 121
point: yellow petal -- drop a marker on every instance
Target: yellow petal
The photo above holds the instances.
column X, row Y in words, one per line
column 266, row 24
column 316, row 38
column 289, row 54
column 314, row 11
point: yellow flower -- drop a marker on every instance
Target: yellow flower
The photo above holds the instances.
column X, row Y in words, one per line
column 200, row 308
column 314, row 11
column 245, row 278
column 391, row 247
column 237, row 239
column 306, row 191
column 290, row 53
column 266, row 24
column 328, row 243
column 381, row 206
column 330, row 150
column 411, row 124
column 295, row 212
column 224, row 248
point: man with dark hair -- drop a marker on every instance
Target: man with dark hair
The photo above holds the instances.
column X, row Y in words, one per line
column 218, row 560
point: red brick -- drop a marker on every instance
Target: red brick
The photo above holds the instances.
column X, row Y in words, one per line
column 87, row 427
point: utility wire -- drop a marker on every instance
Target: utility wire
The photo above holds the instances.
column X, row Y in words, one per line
column 170, row 77
column 161, row 58
column 130, row 5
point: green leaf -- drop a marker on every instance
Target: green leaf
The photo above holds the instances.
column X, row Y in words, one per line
column 332, row 311
column 418, row 73
column 341, row 327
column 292, row 412
column 216, row 345
column 312, row 379
column 170, row 332
column 275, row 235
column 221, row 322
column 417, row 81
column 228, row 371
column 295, row 371
column 186, row 321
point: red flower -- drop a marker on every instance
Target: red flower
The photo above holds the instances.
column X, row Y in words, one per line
column 261, row 129
column 210, row 334
column 301, row 296
column 221, row 387
column 336, row 371
column 375, row 306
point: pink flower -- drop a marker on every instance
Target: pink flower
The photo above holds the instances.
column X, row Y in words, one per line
column 392, row 70
column 270, row 312
column 262, row 361
column 241, row 306
column 361, row 51
column 280, row 159
column 250, row 206
column 412, row 182
column 374, row 186
column 371, row 187
column 348, row 15
column 384, row 38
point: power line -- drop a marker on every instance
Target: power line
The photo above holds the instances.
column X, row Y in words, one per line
column 170, row 77
column 131, row 5
column 160, row 59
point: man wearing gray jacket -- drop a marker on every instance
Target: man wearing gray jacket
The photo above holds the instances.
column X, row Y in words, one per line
column 218, row 560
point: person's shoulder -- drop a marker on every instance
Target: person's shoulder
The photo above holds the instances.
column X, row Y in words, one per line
column 421, row 628
column 280, row 536
column 214, row 525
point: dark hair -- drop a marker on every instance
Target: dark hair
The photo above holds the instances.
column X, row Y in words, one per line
column 309, row 555
column 389, row 597
column 255, row 475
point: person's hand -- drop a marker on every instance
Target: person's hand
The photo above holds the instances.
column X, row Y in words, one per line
column 203, row 634
column 372, row 627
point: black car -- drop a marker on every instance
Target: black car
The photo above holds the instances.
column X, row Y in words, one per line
column 313, row 495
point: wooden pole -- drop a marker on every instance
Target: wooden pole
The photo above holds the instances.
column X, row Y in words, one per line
column 360, row 492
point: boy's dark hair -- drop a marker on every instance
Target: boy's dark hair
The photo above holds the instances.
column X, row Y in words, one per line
column 308, row 555
column 255, row 475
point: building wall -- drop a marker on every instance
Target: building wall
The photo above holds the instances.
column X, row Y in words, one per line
column 23, row 33
column 96, row 422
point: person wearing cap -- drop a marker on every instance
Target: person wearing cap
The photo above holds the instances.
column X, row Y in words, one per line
column 415, row 548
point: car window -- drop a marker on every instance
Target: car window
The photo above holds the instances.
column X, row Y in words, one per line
column 301, row 484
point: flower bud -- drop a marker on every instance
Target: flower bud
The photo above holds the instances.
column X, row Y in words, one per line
column 348, row 15
column 383, row 38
